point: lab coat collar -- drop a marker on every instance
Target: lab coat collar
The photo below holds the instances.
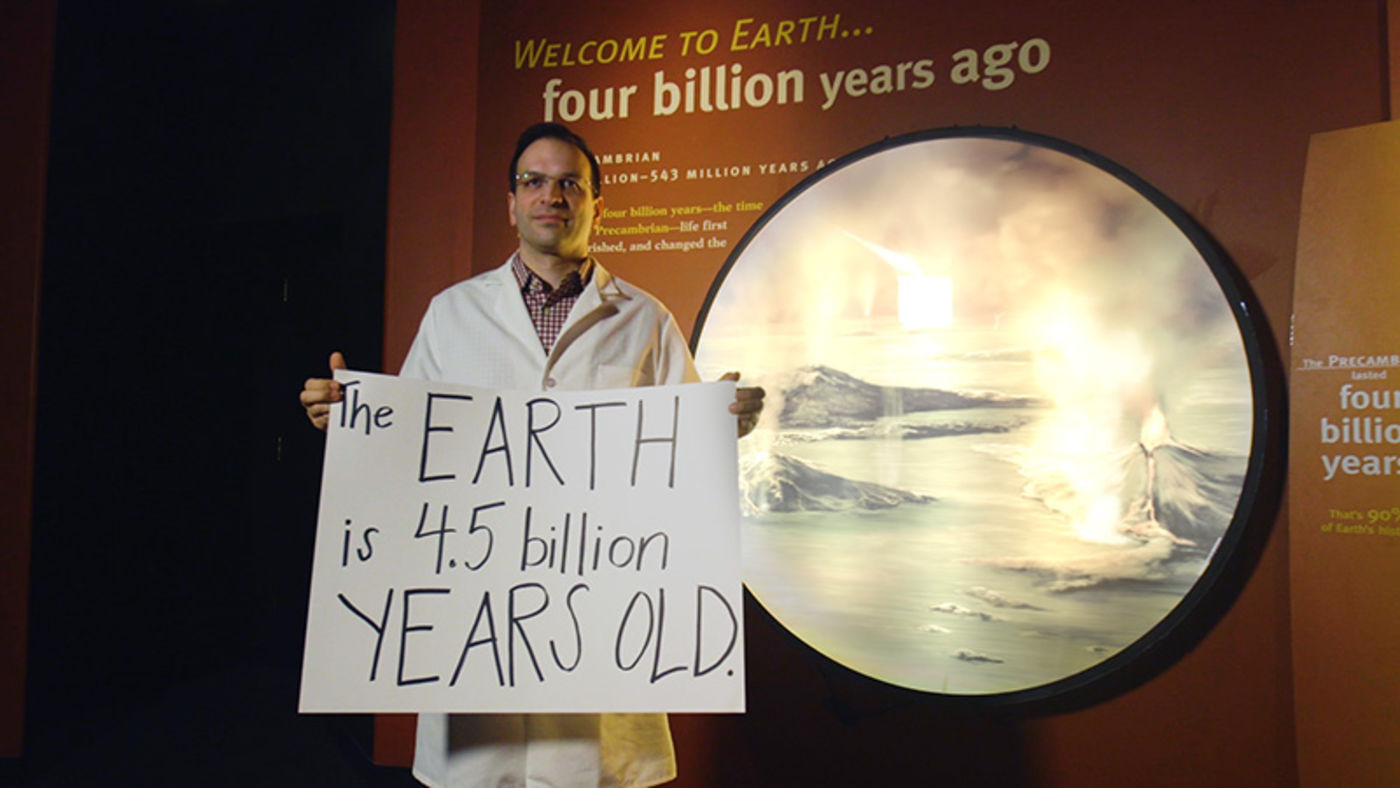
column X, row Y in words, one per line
column 602, row 287
column 599, row 300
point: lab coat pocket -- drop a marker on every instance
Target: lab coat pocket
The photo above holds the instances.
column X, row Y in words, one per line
column 614, row 376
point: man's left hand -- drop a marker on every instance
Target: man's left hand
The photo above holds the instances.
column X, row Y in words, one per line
column 747, row 404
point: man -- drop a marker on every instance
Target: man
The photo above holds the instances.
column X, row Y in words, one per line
column 550, row 317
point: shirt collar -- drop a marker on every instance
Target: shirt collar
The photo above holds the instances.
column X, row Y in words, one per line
column 527, row 278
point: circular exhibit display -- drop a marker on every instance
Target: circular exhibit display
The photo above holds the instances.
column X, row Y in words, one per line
column 1015, row 412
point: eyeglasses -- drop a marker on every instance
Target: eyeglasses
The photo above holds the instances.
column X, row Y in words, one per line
column 534, row 182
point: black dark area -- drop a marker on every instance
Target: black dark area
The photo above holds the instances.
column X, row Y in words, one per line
column 215, row 227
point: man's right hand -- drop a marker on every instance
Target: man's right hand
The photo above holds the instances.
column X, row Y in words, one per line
column 318, row 394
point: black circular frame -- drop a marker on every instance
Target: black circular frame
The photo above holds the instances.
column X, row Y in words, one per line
column 1237, row 549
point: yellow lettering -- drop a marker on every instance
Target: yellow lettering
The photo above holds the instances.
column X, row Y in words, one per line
column 528, row 56
column 785, row 29
column 740, row 34
column 762, row 37
column 633, row 49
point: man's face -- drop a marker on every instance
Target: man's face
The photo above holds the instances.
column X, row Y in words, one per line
column 552, row 218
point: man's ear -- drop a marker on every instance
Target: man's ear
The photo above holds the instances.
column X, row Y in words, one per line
column 597, row 213
column 510, row 207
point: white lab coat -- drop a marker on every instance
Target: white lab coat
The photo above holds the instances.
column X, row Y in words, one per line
column 479, row 333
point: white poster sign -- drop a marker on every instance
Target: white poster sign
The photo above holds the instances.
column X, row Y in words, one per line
column 501, row 551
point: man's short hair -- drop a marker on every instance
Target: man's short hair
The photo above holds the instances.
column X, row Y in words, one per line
column 555, row 131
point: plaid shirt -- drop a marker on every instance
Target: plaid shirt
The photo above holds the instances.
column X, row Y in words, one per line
column 549, row 306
